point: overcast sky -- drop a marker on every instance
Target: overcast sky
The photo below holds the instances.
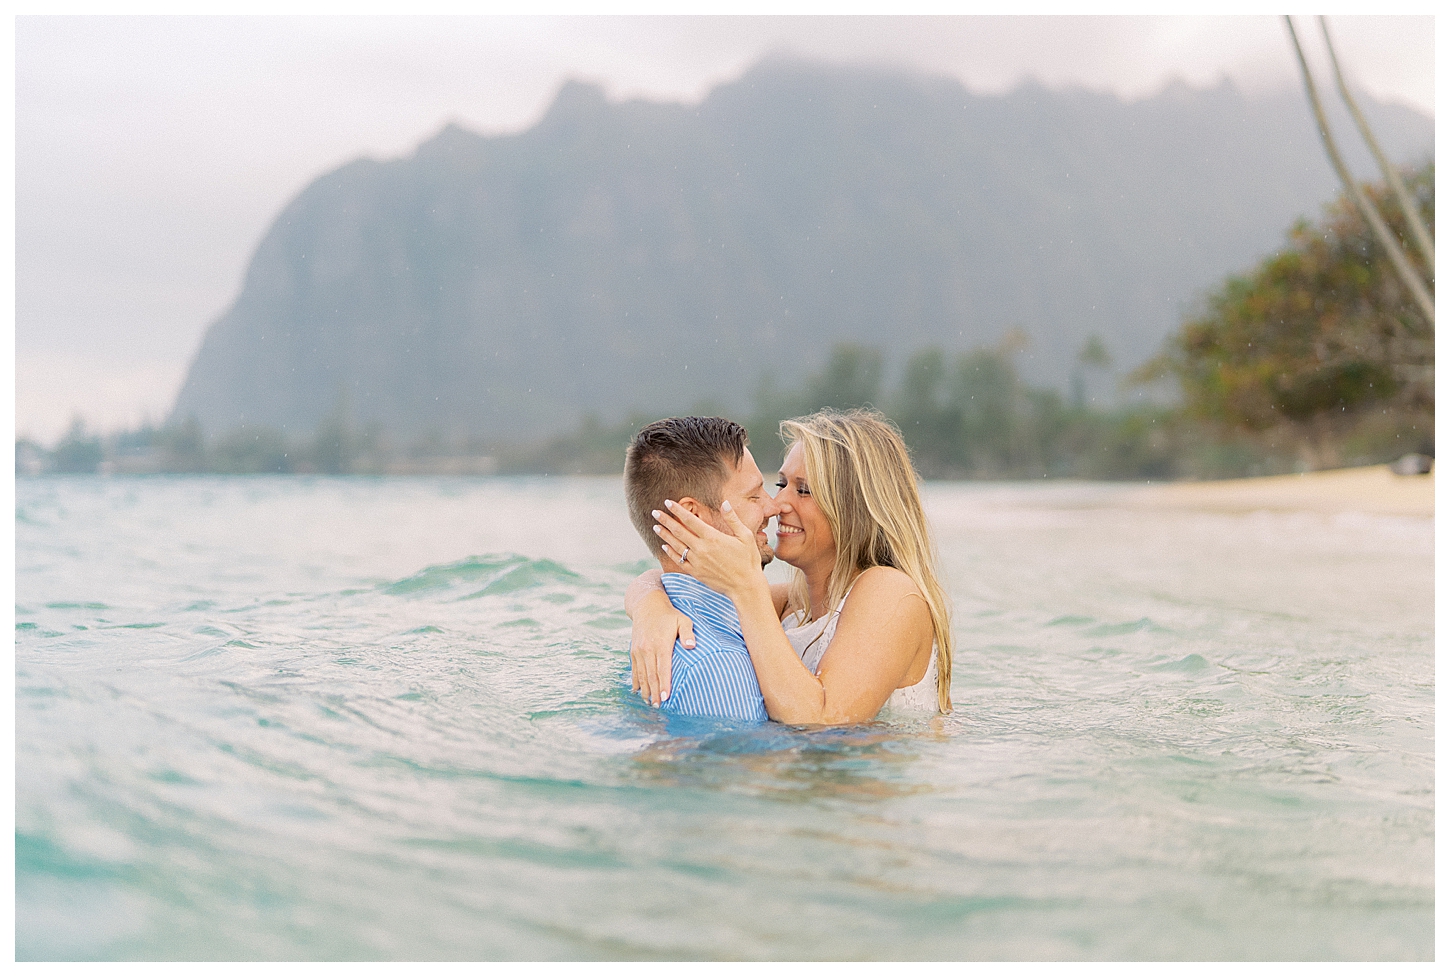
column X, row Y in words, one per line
column 152, row 153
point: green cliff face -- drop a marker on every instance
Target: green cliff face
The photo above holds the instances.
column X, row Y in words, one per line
column 653, row 257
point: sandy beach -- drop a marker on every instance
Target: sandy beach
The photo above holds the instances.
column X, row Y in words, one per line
column 1373, row 489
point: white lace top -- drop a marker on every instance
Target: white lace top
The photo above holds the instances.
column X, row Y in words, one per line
column 811, row 639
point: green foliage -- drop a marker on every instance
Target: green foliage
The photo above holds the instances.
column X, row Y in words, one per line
column 78, row 452
column 30, row 457
column 1314, row 359
column 141, row 439
column 1095, row 353
column 183, row 447
column 957, row 418
column 1315, row 339
column 593, row 449
column 972, row 416
column 332, row 446
column 851, row 378
column 252, row 450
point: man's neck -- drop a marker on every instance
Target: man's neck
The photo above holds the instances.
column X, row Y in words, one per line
column 668, row 565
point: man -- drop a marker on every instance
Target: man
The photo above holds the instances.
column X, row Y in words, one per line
column 701, row 463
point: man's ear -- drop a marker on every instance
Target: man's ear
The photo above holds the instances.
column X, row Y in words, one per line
column 711, row 516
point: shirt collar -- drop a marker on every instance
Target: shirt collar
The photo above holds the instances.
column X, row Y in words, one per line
column 682, row 586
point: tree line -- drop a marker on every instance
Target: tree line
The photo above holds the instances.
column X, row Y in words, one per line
column 1318, row 357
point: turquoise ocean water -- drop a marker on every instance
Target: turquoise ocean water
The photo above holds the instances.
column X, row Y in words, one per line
column 304, row 718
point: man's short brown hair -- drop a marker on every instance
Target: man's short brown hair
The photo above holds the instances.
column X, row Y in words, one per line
column 675, row 458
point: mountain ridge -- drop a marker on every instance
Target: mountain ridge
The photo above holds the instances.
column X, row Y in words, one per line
column 651, row 256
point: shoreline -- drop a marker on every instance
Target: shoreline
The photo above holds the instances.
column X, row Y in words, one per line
column 1372, row 489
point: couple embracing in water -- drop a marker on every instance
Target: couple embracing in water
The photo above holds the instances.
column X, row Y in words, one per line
column 864, row 628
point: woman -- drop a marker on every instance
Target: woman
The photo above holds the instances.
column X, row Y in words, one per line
column 865, row 624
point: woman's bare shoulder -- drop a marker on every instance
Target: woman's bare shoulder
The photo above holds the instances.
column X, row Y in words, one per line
column 883, row 592
column 885, row 608
column 881, row 586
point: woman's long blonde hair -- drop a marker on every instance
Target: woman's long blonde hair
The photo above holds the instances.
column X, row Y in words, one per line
column 861, row 476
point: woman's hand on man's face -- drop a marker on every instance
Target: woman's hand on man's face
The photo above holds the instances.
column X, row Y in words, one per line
column 724, row 563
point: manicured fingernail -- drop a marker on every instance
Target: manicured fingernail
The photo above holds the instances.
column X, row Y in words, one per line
column 665, row 547
column 657, row 529
column 665, row 696
column 669, row 504
column 655, row 513
column 725, row 506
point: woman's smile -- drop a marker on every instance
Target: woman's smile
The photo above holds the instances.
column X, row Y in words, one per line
column 801, row 529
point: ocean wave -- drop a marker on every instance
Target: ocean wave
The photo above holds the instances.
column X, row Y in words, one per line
column 504, row 573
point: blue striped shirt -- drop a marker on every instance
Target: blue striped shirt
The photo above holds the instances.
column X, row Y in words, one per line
column 715, row 678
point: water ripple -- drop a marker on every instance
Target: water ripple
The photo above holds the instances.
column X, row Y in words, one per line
column 283, row 719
